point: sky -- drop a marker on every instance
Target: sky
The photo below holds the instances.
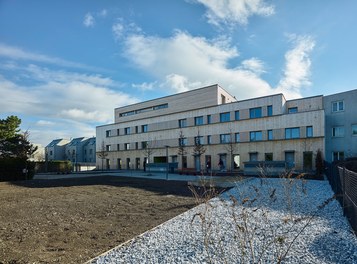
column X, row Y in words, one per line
column 65, row 65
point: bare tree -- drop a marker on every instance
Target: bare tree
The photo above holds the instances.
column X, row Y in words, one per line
column 149, row 148
column 198, row 149
column 231, row 148
column 102, row 153
column 181, row 150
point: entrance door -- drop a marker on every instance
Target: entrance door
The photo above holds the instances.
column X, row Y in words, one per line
column 223, row 159
column 119, row 164
column 307, row 160
column 128, row 163
column 290, row 159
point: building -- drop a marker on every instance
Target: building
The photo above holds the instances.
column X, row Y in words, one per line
column 56, row 149
column 341, row 125
column 39, row 154
column 170, row 128
column 77, row 150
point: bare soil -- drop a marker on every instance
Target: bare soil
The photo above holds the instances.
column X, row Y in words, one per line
column 74, row 220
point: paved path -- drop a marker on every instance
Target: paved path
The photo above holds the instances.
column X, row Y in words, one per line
column 222, row 181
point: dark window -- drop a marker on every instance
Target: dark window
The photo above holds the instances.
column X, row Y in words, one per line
column 236, row 115
column 144, row 144
column 209, row 119
column 127, row 146
column 209, row 140
column 256, row 136
column 108, row 148
column 160, row 106
column 182, row 122
column 255, row 112
column 136, row 145
column 108, row 133
column 338, row 131
column 268, row 156
column 144, row 128
column 118, row 146
column 338, row 155
column 270, row 110
column 199, row 120
column 199, row 140
column 253, row 156
column 237, row 135
column 293, row 132
column 136, row 129
column 225, row 117
column 182, row 141
column 127, row 130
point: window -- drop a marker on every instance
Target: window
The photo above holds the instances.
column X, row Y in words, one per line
column 309, row 131
column 256, row 135
column 253, row 156
column 199, row 140
column 144, row 144
column 108, row 133
column 237, row 136
column 127, row 130
column 292, row 110
column 182, row 141
column 136, row 145
column 225, row 138
column 268, row 156
column 161, row 106
column 255, row 112
column 136, row 129
column 338, row 155
column 118, row 146
column 118, row 132
column 127, row 146
column 209, row 140
column 223, row 99
column 293, row 132
column 270, row 134
column 209, row 119
column 270, row 110
column 198, row 120
column 354, row 130
column 107, row 147
column 224, row 117
column 338, row 106
column 144, row 128
column 182, row 122
column 236, row 115
column 338, row 131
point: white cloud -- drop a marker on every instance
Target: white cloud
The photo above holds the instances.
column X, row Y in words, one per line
column 183, row 62
column 297, row 65
column 254, row 65
column 103, row 13
column 88, row 20
column 121, row 29
column 44, row 123
column 145, row 86
column 235, row 11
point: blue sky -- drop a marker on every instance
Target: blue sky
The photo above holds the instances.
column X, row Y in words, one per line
column 65, row 65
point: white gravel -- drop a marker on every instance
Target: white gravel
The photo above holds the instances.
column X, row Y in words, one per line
column 258, row 221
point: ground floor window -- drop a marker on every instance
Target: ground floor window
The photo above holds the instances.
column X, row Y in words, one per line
column 338, row 155
column 253, row 156
column 290, row 159
column 307, row 160
column 268, row 157
column 236, row 161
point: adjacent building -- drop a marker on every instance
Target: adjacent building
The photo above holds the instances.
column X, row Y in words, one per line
column 210, row 126
column 77, row 150
column 341, row 125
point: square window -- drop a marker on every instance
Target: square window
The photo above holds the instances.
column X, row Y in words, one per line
column 255, row 112
column 225, row 117
column 291, row 133
column 338, row 131
column 182, row 141
column 338, row 106
column 182, row 123
column 127, row 130
column 338, row 155
column 108, row 133
column 127, row 146
column 198, row 120
column 225, row 138
column 253, row 156
column 199, row 140
column 256, row 135
column 268, row 156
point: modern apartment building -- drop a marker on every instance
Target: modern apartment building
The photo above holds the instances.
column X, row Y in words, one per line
column 80, row 149
column 230, row 131
column 341, row 125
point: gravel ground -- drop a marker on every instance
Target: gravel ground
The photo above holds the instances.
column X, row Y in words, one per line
column 258, row 221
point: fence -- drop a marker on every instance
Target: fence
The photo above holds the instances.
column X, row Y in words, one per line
column 344, row 184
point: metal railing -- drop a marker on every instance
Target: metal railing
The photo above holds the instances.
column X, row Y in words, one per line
column 344, row 184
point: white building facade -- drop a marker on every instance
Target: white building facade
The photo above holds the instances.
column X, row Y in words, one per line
column 167, row 129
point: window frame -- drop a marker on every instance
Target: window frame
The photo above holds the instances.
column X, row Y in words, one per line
column 237, row 137
column 223, row 138
column 255, row 136
column 270, row 110
column 255, row 112
column 199, row 121
column 225, row 117
column 338, row 131
column 182, row 122
column 337, row 103
column 289, row 132
column 309, row 134
column 293, row 110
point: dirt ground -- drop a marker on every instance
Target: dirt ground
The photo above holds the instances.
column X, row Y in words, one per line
column 74, row 220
